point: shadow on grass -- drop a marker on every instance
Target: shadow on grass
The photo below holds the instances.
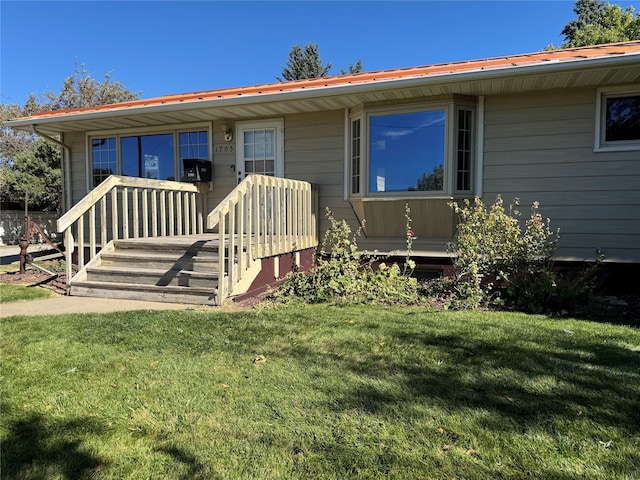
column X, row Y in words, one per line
column 38, row 448
column 195, row 470
column 521, row 384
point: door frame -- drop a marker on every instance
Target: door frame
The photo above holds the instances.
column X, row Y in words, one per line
column 241, row 127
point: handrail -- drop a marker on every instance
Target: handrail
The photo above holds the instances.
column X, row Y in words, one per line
column 107, row 185
column 173, row 211
column 263, row 216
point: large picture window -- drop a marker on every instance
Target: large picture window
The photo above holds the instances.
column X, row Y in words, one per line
column 407, row 151
column 147, row 156
column 412, row 151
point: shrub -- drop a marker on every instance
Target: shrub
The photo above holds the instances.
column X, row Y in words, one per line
column 342, row 274
column 499, row 260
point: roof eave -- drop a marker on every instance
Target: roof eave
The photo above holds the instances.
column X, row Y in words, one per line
column 337, row 90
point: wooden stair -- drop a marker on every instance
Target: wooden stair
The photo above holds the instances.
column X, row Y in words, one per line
column 166, row 269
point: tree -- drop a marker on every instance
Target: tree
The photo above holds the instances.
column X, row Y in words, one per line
column 600, row 23
column 36, row 172
column 80, row 90
column 306, row 63
column 588, row 12
column 22, row 153
column 353, row 68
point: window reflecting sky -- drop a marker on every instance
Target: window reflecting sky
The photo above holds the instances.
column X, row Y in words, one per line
column 404, row 147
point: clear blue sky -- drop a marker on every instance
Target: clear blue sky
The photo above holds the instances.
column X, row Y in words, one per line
column 163, row 47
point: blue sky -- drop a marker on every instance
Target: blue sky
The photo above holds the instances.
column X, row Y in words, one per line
column 163, row 47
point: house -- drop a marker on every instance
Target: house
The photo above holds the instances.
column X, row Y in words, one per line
column 561, row 127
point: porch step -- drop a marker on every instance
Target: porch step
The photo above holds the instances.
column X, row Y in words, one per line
column 160, row 278
column 150, row 293
column 178, row 270
column 159, row 260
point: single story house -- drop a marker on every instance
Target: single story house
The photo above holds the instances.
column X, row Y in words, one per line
column 560, row 127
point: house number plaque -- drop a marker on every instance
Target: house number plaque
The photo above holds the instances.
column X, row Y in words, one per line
column 223, row 149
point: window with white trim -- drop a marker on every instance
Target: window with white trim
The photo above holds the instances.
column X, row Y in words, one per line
column 618, row 119
column 152, row 156
column 424, row 150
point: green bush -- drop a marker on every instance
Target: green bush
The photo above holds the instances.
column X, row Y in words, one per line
column 499, row 259
column 342, row 274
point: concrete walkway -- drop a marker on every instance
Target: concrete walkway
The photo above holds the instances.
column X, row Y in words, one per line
column 62, row 304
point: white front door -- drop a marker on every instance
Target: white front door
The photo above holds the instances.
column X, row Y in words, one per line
column 260, row 148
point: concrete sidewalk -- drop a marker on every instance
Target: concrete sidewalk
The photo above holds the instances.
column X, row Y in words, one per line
column 62, row 304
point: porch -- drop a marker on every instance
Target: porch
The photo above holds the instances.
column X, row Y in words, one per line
column 134, row 238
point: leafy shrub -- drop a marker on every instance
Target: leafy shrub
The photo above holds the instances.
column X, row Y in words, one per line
column 498, row 260
column 342, row 274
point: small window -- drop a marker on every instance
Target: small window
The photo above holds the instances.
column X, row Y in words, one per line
column 464, row 151
column 105, row 160
column 355, row 157
column 618, row 121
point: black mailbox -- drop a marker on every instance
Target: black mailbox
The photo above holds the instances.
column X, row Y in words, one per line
column 196, row 170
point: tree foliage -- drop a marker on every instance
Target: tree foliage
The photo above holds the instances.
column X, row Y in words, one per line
column 31, row 164
column 306, row 63
column 79, row 90
column 600, row 22
column 36, row 172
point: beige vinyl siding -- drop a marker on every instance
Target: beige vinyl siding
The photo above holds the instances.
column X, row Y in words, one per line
column 224, row 176
column 314, row 152
column 78, row 162
column 539, row 147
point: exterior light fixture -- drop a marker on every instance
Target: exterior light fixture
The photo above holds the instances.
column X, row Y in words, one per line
column 228, row 133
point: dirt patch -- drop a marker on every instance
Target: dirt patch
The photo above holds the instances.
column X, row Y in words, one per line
column 56, row 283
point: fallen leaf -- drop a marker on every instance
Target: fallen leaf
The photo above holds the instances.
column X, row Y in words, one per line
column 440, row 430
column 48, row 407
column 224, row 385
column 470, row 451
column 113, row 385
column 154, row 364
column 260, row 359
column 447, row 447
column 136, row 386
column 606, row 444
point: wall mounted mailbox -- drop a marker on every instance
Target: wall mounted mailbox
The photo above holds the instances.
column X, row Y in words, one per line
column 196, row 170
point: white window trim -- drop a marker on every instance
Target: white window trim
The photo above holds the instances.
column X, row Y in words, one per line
column 450, row 107
column 601, row 94
column 175, row 129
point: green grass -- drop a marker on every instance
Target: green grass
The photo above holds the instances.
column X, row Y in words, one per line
column 345, row 393
column 10, row 292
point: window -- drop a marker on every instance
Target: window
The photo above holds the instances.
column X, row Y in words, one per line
column 103, row 153
column 416, row 151
column 355, row 156
column 147, row 156
column 618, row 120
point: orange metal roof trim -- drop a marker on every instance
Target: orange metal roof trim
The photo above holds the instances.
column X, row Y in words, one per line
column 561, row 55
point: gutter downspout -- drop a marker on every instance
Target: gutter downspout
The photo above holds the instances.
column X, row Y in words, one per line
column 66, row 170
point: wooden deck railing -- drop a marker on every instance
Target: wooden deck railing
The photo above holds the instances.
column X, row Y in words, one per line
column 128, row 207
column 262, row 217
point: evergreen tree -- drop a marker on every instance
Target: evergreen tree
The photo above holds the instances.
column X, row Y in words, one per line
column 304, row 63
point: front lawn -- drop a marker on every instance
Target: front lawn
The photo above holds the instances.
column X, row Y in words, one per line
column 12, row 292
column 319, row 392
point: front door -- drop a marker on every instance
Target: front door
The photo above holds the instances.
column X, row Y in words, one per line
column 259, row 147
